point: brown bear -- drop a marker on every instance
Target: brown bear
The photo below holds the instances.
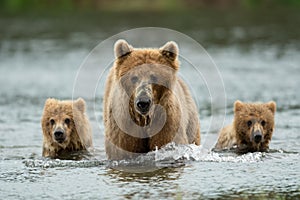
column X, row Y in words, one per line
column 251, row 130
column 66, row 128
column 146, row 104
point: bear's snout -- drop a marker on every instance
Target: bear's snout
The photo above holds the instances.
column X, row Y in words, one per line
column 143, row 100
column 59, row 135
column 257, row 136
column 143, row 104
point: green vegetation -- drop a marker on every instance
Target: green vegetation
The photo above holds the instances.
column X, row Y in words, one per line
column 58, row 6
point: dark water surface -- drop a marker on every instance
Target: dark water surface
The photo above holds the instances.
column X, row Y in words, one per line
column 40, row 59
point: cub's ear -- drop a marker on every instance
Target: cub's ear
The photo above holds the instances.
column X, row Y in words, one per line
column 238, row 105
column 272, row 106
column 170, row 50
column 122, row 48
column 80, row 105
column 49, row 102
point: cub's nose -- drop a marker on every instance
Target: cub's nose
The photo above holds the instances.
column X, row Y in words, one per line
column 143, row 104
column 257, row 136
column 58, row 134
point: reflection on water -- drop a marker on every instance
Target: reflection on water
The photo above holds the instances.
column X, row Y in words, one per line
column 258, row 61
column 147, row 185
column 163, row 174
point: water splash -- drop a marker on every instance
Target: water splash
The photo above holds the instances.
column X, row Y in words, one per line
column 49, row 163
column 197, row 153
column 172, row 155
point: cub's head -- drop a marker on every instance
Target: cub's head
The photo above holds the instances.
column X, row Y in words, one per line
column 58, row 120
column 254, row 125
column 146, row 75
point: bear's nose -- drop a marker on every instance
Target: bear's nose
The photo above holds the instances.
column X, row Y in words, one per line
column 58, row 134
column 257, row 136
column 143, row 104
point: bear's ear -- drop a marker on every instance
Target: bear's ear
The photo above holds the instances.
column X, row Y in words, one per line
column 49, row 102
column 122, row 48
column 170, row 50
column 238, row 105
column 272, row 106
column 80, row 105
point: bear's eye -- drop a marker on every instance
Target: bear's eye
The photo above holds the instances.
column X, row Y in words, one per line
column 67, row 121
column 52, row 122
column 134, row 79
column 263, row 122
column 249, row 123
column 153, row 78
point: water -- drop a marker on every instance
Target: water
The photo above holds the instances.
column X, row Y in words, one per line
column 36, row 65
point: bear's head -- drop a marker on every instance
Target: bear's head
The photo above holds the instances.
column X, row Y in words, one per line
column 146, row 75
column 254, row 125
column 58, row 121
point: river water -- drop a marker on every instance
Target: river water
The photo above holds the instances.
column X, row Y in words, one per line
column 39, row 63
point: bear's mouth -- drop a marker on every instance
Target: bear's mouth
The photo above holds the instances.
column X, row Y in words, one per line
column 60, row 140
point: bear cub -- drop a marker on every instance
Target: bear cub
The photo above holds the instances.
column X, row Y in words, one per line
column 251, row 130
column 66, row 128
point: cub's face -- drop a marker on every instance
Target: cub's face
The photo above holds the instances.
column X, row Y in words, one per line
column 60, row 127
column 58, row 120
column 254, row 124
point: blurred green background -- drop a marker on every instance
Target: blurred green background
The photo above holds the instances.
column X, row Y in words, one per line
column 211, row 22
column 56, row 6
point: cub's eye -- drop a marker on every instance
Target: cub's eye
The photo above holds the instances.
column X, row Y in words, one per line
column 134, row 79
column 153, row 78
column 263, row 122
column 67, row 121
column 249, row 123
column 52, row 122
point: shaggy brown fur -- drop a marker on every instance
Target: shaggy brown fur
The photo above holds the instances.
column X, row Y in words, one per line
column 252, row 127
column 66, row 128
column 172, row 116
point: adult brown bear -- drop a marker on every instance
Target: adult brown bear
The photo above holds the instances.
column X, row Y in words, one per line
column 146, row 104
